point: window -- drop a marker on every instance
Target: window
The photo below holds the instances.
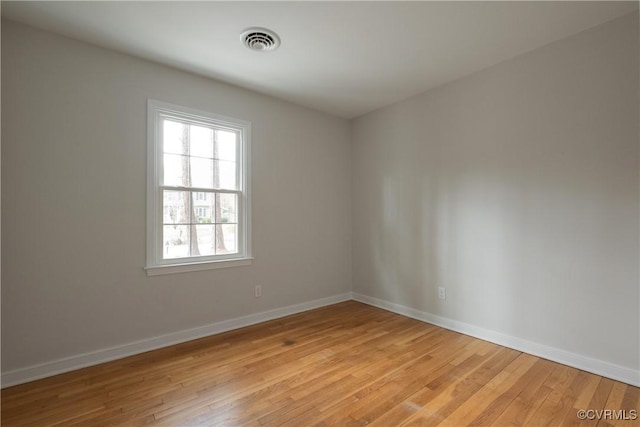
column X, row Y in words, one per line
column 198, row 210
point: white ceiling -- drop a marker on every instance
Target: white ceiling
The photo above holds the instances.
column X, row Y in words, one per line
column 344, row 58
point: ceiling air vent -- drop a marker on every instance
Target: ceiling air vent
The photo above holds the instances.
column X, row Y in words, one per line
column 260, row 39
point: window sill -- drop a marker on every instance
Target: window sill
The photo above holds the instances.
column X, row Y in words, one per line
column 158, row 270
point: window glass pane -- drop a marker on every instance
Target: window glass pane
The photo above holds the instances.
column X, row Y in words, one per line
column 226, row 145
column 198, row 179
column 175, row 241
column 173, row 132
column 226, row 175
column 204, row 207
column 226, row 238
column 206, row 239
column 201, row 172
column 201, row 139
column 174, row 167
column 228, row 208
column 175, row 207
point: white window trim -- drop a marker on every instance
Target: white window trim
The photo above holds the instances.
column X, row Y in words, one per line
column 155, row 264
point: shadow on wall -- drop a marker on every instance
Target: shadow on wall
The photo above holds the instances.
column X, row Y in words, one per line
column 428, row 239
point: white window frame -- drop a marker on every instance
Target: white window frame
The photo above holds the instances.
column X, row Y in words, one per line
column 156, row 264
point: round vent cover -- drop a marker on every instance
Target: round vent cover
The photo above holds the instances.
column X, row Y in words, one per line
column 260, row 39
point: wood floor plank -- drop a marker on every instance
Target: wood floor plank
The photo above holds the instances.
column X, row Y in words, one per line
column 583, row 396
column 444, row 395
column 348, row 364
column 622, row 400
column 486, row 399
column 528, row 396
column 558, row 382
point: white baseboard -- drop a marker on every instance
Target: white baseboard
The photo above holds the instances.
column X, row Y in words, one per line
column 599, row 367
column 595, row 366
column 59, row 366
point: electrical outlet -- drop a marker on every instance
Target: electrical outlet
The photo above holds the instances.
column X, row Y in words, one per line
column 258, row 291
column 442, row 293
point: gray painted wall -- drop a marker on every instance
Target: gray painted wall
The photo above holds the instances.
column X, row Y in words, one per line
column 516, row 189
column 74, row 198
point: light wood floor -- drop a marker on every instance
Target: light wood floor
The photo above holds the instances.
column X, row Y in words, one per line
column 347, row 364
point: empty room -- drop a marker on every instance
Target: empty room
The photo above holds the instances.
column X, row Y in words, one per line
column 320, row 213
